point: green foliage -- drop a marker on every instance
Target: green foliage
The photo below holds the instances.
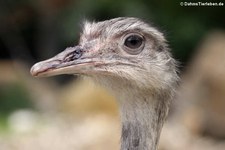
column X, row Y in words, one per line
column 13, row 97
column 3, row 124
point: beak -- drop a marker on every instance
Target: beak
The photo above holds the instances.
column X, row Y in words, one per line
column 73, row 60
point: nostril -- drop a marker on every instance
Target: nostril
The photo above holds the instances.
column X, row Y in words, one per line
column 73, row 55
column 78, row 53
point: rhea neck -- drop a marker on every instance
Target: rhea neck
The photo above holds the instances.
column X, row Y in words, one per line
column 142, row 119
column 142, row 115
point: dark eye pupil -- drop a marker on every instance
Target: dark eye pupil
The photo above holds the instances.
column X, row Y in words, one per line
column 133, row 41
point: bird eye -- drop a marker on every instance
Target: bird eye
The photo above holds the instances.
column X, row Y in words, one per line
column 133, row 43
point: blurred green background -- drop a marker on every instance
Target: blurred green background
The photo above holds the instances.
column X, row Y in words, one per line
column 37, row 29
column 31, row 31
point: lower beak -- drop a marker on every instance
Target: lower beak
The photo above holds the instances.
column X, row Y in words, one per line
column 70, row 61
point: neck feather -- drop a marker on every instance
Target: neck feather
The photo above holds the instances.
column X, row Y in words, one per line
column 143, row 113
column 142, row 119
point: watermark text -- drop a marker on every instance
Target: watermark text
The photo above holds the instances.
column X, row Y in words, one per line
column 189, row 4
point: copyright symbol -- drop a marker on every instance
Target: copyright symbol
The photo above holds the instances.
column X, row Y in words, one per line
column 181, row 4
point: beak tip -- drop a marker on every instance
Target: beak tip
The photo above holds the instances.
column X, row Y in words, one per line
column 34, row 70
column 41, row 69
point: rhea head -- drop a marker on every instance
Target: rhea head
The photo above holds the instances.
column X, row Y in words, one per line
column 121, row 49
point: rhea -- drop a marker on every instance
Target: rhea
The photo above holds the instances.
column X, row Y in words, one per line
column 132, row 60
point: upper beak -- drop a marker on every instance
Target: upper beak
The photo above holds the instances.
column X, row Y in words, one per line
column 71, row 61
